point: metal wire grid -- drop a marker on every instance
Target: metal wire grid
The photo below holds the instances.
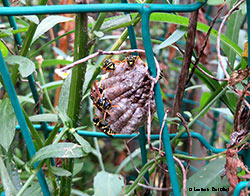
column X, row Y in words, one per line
column 145, row 10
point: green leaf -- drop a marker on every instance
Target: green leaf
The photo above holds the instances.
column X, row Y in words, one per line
column 208, row 177
column 7, row 122
column 178, row 34
column 78, row 164
column 53, row 62
column 63, row 116
column 225, row 111
column 44, row 118
column 98, row 34
column 84, row 143
column 88, row 76
column 26, row 66
column 78, row 193
column 115, row 21
column 24, row 99
column 215, row 2
column 47, row 24
column 3, row 49
column 34, row 189
column 232, row 32
column 64, row 94
column 48, row 86
column 32, row 18
column 6, row 31
column 205, row 96
column 60, row 171
column 183, row 21
column 13, row 170
column 60, row 150
column 6, row 180
column 215, row 88
column 107, row 184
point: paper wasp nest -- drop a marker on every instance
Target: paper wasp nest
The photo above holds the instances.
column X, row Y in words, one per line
column 127, row 88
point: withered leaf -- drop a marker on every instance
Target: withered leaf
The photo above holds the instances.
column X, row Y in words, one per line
column 238, row 75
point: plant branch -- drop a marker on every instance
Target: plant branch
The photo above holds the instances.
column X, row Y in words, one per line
column 185, row 66
column 205, row 42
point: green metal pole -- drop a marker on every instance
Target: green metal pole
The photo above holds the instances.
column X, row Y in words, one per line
column 21, row 120
column 142, row 141
column 158, row 101
column 31, row 80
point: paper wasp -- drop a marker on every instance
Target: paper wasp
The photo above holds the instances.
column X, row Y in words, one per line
column 104, row 127
column 131, row 60
column 102, row 103
column 109, row 65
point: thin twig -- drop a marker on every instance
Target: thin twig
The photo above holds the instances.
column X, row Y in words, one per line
column 200, row 69
column 7, row 46
column 189, row 137
column 99, row 52
column 184, row 181
column 153, row 82
column 123, row 189
column 154, row 188
column 162, row 127
column 131, row 159
column 235, row 7
column 205, row 42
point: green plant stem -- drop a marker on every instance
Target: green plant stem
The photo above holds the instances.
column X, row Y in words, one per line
column 145, row 168
column 45, row 89
column 33, row 131
column 136, row 152
column 199, row 158
column 30, row 179
column 99, row 21
column 61, row 134
column 52, row 134
column 199, row 115
column 81, row 49
column 99, row 154
column 14, row 74
column 28, row 39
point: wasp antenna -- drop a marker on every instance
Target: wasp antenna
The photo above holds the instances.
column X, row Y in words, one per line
column 92, row 95
column 162, row 76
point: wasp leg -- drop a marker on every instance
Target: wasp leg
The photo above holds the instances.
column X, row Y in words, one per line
column 104, row 116
column 163, row 77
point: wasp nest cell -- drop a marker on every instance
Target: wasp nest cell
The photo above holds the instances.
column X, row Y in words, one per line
column 124, row 96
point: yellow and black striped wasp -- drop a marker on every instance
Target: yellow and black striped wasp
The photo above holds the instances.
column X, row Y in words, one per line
column 109, row 65
column 131, row 60
column 102, row 103
column 104, row 127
